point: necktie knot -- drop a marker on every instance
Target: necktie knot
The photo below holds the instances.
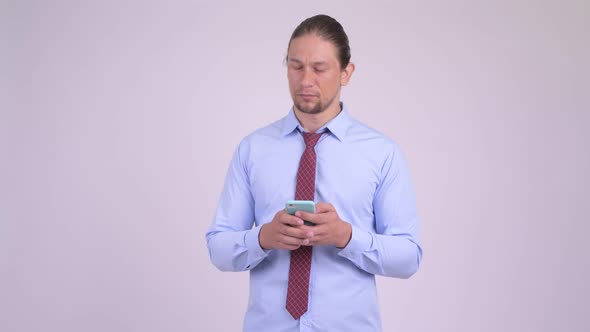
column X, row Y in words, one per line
column 311, row 139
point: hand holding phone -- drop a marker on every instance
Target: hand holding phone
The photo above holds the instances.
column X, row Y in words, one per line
column 296, row 205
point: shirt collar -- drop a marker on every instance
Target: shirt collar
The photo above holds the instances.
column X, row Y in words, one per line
column 337, row 126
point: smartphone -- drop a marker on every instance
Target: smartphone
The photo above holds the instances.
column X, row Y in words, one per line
column 308, row 206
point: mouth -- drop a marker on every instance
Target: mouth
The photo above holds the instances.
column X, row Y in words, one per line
column 307, row 96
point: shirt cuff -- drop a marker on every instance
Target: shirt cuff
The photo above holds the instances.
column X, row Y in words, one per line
column 360, row 241
column 255, row 251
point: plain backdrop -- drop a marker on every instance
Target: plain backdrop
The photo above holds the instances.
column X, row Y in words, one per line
column 118, row 120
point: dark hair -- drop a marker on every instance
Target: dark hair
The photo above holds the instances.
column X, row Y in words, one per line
column 330, row 30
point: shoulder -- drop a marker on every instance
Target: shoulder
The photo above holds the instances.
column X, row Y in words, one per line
column 360, row 133
column 383, row 150
column 261, row 138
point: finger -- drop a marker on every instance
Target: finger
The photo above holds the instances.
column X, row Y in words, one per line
column 322, row 207
column 297, row 232
column 291, row 220
column 317, row 218
column 311, row 217
column 292, row 242
column 317, row 240
column 316, row 231
column 321, row 235
column 287, row 246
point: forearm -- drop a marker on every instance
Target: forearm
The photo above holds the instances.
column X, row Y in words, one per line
column 235, row 250
column 395, row 256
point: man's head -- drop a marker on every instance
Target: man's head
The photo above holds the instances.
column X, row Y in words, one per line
column 318, row 64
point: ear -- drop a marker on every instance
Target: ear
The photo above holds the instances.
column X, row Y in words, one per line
column 346, row 74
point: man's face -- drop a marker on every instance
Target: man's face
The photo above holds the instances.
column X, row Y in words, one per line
column 314, row 73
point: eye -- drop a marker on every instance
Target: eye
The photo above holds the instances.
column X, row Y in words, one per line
column 319, row 70
column 295, row 66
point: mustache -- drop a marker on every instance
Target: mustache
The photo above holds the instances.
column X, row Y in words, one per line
column 306, row 92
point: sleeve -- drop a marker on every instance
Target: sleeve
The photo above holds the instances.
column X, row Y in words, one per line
column 231, row 239
column 394, row 250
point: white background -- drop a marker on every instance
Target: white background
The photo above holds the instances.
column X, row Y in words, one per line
column 118, row 120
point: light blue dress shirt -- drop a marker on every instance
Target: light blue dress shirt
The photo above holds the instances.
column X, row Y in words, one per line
column 362, row 173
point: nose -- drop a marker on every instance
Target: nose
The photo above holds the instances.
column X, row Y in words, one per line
column 307, row 77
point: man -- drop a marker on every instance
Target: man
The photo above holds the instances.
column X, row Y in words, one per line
column 319, row 277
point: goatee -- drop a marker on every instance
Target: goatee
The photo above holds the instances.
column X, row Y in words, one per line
column 310, row 109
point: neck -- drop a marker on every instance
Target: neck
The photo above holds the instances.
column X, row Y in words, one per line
column 312, row 122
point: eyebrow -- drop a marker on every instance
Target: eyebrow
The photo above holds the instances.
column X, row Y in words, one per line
column 317, row 63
